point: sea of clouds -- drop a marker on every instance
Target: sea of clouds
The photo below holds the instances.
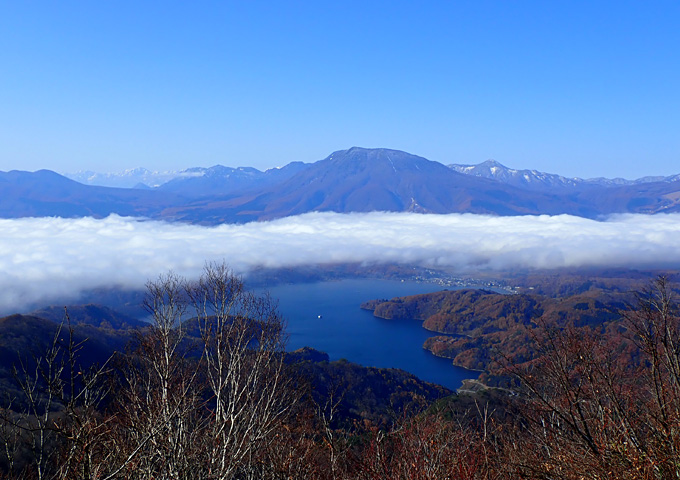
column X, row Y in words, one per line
column 42, row 259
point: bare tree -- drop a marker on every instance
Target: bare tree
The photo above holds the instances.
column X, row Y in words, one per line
column 605, row 402
column 158, row 404
column 206, row 388
column 243, row 355
column 655, row 328
column 82, row 428
column 429, row 446
column 58, row 417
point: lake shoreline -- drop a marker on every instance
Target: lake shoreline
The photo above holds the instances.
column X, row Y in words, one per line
column 344, row 330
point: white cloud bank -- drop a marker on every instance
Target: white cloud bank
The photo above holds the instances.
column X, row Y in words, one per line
column 50, row 258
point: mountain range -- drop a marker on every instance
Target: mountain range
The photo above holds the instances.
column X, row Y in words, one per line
column 217, row 177
column 535, row 180
column 353, row 180
column 241, row 176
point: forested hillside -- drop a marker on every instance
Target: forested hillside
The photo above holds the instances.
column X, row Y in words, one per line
column 207, row 391
column 480, row 324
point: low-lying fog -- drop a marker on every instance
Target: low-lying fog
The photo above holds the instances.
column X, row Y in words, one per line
column 55, row 258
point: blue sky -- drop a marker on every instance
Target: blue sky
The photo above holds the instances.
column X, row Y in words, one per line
column 571, row 87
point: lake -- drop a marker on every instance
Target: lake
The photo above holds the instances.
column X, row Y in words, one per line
column 346, row 331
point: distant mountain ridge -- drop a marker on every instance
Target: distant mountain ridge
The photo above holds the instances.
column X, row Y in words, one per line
column 45, row 193
column 536, row 180
column 197, row 177
column 131, row 178
column 353, row 180
column 220, row 180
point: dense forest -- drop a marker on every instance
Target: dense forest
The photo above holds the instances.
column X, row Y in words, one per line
column 477, row 324
column 207, row 391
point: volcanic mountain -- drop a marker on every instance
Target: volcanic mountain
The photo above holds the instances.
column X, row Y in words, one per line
column 364, row 180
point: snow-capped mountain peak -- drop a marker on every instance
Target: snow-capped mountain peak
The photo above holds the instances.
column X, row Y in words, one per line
column 536, row 180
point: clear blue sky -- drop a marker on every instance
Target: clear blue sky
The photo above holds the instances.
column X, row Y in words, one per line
column 580, row 88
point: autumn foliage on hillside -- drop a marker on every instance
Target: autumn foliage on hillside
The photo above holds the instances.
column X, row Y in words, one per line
column 216, row 398
column 479, row 324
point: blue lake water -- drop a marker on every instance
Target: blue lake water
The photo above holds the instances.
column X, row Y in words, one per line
column 346, row 331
